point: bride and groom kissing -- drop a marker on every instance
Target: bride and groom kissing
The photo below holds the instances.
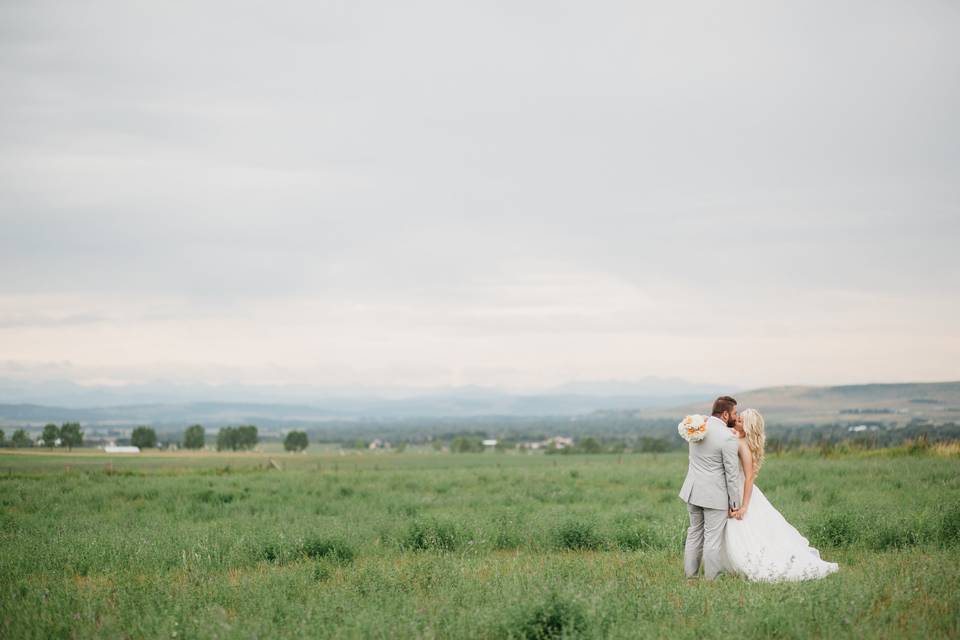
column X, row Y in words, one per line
column 733, row 527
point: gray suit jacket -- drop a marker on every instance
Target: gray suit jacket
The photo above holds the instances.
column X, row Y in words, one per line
column 713, row 475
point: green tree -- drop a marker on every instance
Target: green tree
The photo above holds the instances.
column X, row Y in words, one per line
column 247, row 436
column 71, row 435
column 21, row 439
column 649, row 444
column 227, row 439
column 144, row 437
column 590, row 445
column 193, row 437
column 51, row 433
column 295, row 441
column 234, row 438
column 3, row 437
column 462, row 444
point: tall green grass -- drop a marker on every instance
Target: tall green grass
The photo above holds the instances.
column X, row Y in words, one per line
column 470, row 546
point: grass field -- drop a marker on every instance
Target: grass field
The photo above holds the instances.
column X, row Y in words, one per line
column 456, row 546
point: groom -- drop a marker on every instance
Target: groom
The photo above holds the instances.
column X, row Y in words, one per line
column 712, row 487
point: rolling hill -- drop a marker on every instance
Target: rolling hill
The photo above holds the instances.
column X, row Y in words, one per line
column 936, row 402
column 788, row 405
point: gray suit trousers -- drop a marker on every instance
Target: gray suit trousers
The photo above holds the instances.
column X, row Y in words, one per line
column 704, row 537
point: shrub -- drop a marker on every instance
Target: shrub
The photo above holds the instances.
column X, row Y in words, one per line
column 331, row 548
column 836, row 531
column 462, row 444
column 555, row 617
column 650, row 444
column 505, row 539
column 827, row 447
column 892, row 537
column 949, row 530
column 918, row 446
column 275, row 552
column 506, row 536
column 321, row 572
column 210, row 496
column 434, row 534
column 636, row 537
column 577, row 535
column 589, row 445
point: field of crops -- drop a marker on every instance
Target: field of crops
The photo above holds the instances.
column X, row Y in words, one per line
column 457, row 546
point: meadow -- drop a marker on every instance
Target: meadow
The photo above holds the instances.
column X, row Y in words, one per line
column 434, row 545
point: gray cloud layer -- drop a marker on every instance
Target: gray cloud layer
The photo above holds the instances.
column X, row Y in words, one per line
column 501, row 193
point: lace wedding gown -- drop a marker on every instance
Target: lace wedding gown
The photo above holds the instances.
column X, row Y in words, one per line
column 765, row 547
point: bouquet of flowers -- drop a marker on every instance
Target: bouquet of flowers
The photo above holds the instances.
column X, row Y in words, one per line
column 693, row 428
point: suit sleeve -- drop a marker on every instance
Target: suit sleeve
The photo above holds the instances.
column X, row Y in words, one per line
column 731, row 471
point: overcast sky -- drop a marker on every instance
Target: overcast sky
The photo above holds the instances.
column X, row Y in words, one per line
column 499, row 193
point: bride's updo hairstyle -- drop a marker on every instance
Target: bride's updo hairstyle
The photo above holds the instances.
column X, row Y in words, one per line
column 756, row 438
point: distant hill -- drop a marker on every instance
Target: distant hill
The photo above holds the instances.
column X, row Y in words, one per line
column 452, row 405
column 172, row 404
column 792, row 405
column 889, row 403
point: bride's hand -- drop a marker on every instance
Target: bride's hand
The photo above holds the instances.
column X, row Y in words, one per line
column 739, row 513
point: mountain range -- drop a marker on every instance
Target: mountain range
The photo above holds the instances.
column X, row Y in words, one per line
column 171, row 404
column 654, row 399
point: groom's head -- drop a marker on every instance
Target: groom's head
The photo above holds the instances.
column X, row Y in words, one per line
column 725, row 408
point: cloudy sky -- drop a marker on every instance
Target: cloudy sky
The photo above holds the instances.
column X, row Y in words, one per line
column 514, row 194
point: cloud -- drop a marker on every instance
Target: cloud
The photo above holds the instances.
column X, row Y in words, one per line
column 480, row 192
column 30, row 320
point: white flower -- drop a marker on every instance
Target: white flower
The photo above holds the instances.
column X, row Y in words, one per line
column 693, row 428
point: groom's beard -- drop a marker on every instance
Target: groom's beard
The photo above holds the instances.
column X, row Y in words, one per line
column 732, row 424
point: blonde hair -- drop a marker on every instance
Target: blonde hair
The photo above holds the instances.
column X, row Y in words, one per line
column 755, row 436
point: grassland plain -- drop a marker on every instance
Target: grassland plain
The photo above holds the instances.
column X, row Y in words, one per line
column 457, row 546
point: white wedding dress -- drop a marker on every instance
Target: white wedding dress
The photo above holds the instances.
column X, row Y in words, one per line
column 763, row 546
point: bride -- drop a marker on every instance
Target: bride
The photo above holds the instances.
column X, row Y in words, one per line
column 757, row 541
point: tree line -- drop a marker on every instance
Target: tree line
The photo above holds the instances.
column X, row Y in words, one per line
column 67, row 435
column 70, row 435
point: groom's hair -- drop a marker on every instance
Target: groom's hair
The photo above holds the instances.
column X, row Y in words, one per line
column 723, row 403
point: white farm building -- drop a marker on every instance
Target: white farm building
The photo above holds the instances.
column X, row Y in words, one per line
column 112, row 448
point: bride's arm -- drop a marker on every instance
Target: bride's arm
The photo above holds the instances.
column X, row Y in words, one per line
column 747, row 461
